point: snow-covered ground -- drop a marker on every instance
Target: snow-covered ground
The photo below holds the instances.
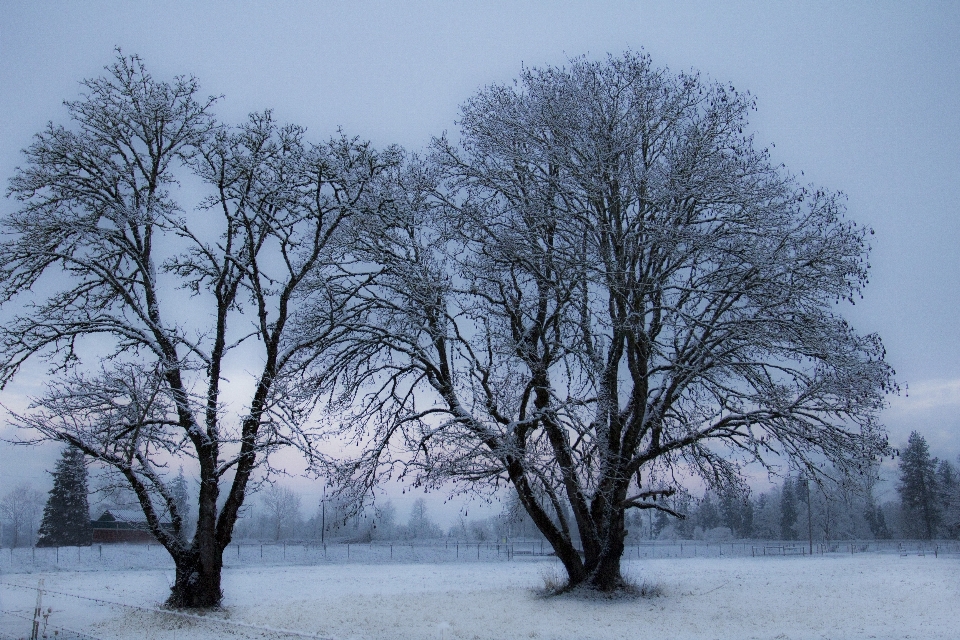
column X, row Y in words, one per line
column 824, row 596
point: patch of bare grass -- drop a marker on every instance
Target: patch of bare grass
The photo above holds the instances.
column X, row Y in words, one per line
column 555, row 584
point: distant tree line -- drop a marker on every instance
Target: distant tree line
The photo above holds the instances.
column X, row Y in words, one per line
column 925, row 506
column 279, row 517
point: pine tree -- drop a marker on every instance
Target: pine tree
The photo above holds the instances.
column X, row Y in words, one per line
column 788, row 509
column 66, row 516
column 766, row 517
column 877, row 522
column 746, row 519
column 736, row 513
column 661, row 520
column 948, row 498
column 683, row 503
column 918, row 488
column 181, row 497
column 707, row 515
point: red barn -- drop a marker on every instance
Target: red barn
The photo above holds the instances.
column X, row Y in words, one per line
column 123, row 525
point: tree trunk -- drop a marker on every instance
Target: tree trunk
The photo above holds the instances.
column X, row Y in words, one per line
column 605, row 576
column 197, row 584
column 572, row 563
column 600, row 569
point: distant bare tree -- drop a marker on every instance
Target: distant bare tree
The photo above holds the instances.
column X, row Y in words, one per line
column 459, row 529
column 94, row 258
column 21, row 508
column 480, row 530
column 282, row 505
column 420, row 526
column 384, row 521
column 605, row 287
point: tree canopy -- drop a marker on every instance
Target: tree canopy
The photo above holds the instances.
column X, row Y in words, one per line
column 140, row 305
column 602, row 287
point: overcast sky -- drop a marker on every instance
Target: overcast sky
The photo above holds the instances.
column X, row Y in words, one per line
column 861, row 97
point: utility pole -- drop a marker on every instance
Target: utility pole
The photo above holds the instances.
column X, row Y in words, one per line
column 809, row 516
column 323, row 515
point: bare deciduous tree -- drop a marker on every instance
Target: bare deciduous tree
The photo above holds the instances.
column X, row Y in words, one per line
column 282, row 504
column 94, row 259
column 21, row 508
column 420, row 526
column 604, row 288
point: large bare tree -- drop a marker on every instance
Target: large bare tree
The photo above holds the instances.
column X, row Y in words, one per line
column 140, row 305
column 603, row 289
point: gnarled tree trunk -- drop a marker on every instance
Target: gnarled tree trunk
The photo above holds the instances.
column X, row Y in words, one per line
column 605, row 573
column 197, row 583
column 597, row 566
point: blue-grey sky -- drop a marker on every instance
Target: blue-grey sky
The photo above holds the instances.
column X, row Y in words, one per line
column 863, row 97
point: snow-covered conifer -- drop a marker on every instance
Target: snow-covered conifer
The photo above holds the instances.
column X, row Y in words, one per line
column 66, row 516
column 918, row 489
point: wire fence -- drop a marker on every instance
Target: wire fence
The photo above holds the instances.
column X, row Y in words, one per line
column 764, row 548
column 52, row 603
column 247, row 553
column 44, row 621
column 37, row 628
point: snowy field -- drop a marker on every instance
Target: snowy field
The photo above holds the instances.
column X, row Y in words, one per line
column 864, row 595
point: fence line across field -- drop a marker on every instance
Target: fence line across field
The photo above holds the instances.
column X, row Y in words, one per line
column 49, row 631
column 205, row 619
column 244, row 553
column 18, row 563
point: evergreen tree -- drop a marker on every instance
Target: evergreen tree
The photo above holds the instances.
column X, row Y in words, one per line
column 66, row 516
column 680, row 502
column 661, row 520
column 948, row 498
column 766, row 516
column 788, row 509
column 181, row 497
column 736, row 513
column 746, row 519
column 707, row 515
column 918, row 489
column 683, row 503
column 805, row 510
column 877, row 521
